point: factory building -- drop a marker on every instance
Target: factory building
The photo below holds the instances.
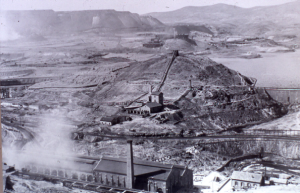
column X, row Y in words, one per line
column 151, row 176
column 120, row 173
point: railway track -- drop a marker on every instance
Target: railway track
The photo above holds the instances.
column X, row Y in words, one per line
column 289, row 135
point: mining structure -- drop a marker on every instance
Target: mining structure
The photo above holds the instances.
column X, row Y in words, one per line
column 114, row 174
column 154, row 43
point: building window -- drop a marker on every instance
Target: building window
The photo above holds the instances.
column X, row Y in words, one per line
column 54, row 173
column 41, row 170
column 47, row 172
column 60, row 173
column 82, row 177
column 90, row 178
column 75, row 176
column 34, row 169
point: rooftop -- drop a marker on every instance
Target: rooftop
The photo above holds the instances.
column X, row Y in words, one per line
column 153, row 104
column 156, row 93
column 57, row 161
column 107, row 119
column 246, row 176
column 134, row 105
column 141, row 168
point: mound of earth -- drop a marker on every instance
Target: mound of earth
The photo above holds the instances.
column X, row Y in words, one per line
column 220, row 98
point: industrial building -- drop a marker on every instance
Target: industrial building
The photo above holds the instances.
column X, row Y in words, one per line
column 157, row 97
column 5, row 93
column 112, row 120
column 154, row 105
column 109, row 120
column 241, row 179
column 121, row 173
column 154, row 43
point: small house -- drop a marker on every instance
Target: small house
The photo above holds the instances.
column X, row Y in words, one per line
column 240, row 180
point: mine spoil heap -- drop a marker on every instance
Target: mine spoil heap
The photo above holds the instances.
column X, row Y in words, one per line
column 209, row 94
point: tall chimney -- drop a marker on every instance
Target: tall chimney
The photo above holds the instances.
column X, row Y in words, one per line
column 150, row 92
column 130, row 172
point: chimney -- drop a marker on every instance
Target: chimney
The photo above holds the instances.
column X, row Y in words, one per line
column 150, row 92
column 190, row 84
column 130, row 172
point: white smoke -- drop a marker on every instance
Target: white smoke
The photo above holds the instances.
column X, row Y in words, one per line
column 6, row 32
column 51, row 145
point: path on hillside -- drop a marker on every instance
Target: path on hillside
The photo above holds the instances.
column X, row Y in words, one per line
column 174, row 55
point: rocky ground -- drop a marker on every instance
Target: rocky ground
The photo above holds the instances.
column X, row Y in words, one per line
column 91, row 76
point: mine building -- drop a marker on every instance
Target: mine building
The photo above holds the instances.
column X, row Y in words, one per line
column 5, row 93
column 154, row 43
column 154, row 105
column 151, row 176
column 240, row 180
column 111, row 120
column 157, row 97
column 93, row 173
column 278, row 181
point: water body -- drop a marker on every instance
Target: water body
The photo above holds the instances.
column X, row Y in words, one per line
column 272, row 70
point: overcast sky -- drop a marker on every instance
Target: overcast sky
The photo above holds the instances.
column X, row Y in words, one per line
column 135, row 6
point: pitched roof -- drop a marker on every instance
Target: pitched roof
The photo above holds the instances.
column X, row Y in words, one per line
column 279, row 181
column 81, row 163
column 153, row 104
column 156, row 93
column 246, row 176
column 134, row 105
column 107, row 119
column 151, row 169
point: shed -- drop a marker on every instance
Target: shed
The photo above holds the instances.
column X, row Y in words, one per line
column 109, row 120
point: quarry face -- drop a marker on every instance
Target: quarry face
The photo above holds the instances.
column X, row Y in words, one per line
column 75, row 88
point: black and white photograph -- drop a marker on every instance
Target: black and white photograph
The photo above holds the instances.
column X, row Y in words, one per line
column 150, row 96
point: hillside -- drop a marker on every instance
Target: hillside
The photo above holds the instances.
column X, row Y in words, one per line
column 221, row 98
column 236, row 19
column 49, row 22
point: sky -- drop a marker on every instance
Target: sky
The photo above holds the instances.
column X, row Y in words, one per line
column 134, row 6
